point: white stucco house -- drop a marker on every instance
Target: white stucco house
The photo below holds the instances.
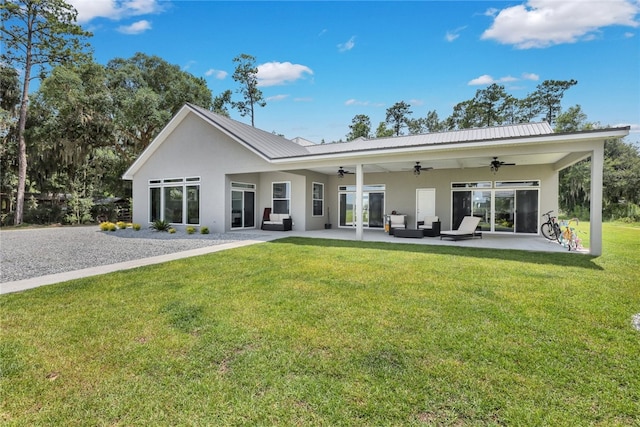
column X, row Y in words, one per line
column 208, row 170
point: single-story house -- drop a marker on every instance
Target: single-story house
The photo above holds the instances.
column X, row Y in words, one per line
column 209, row 170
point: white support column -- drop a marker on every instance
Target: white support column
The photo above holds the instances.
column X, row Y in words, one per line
column 358, row 210
column 597, row 166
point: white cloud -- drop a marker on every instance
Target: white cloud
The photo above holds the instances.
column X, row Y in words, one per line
column 348, row 45
column 303, row 99
column 355, row 102
column 218, row 74
column 363, row 103
column 279, row 73
column 453, row 34
column 135, row 28
column 277, row 97
column 543, row 23
column 114, row 9
column 486, row 79
column 416, row 102
column 189, row 64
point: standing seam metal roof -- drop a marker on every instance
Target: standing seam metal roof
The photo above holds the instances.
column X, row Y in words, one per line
column 276, row 147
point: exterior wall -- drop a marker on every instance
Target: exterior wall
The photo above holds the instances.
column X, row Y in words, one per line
column 194, row 148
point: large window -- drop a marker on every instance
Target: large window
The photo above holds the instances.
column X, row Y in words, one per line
column 175, row 200
column 318, row 199
column 281, row 196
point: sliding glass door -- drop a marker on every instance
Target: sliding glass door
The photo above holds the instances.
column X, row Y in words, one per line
column 372, row 206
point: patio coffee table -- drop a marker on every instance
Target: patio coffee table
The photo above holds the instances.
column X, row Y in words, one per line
column 407, row 232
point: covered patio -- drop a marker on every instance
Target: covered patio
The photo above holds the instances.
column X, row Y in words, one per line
column 488, row 241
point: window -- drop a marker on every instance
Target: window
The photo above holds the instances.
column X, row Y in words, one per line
column 281, row 196
column 171, row 199
column 318, row 199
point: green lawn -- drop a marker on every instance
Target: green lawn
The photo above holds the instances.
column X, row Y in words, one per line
column 322, row 332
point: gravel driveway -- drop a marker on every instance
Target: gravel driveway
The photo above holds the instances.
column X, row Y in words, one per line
column 28, row 253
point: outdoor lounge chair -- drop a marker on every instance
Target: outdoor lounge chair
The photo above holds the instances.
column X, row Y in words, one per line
column 466, row 229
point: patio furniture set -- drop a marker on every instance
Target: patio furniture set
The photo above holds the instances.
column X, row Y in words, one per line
column 431, row 227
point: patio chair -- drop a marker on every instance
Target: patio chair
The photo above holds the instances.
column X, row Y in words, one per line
column 397, row 221
column 430, row 226
column 466, row 229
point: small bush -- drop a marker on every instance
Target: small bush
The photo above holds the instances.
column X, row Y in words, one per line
column 121, row 225
column 160, row 225
column 191, row 229
column 204, row 230
column 171, row 230
column 135, row 226
column 107, row 226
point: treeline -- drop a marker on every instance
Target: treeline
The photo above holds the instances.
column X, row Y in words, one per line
column 491, row 106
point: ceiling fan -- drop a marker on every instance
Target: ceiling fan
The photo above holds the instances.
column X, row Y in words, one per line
column 417, row 168
column 342, row 172
column 495, row 164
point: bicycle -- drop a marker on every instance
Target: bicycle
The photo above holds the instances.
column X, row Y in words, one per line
column 551, row 229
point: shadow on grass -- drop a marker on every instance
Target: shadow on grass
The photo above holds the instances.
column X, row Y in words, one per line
column 555, row 259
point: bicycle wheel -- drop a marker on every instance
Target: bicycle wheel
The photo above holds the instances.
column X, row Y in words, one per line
column 547, row 231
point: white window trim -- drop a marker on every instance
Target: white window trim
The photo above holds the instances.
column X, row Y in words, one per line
column 313, row 199
column 288, row 198
column 184, row 182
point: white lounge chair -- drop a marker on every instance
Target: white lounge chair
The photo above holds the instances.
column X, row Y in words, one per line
column 466, row 229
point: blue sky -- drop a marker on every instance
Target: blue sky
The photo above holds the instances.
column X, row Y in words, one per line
column 322, row 63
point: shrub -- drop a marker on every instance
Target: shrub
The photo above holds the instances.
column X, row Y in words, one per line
column 161, row 225
column 204, row 230
column 136, row 226
column 171, row 230
column 121, row 225
column 191, row 229
column 107, row 226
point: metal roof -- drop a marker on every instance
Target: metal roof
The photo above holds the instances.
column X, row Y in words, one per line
column 449, row 137
column 268, row 144
column 273, row 146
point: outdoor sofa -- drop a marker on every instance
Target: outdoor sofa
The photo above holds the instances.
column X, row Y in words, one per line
column 430, row 226
column 277, row 222
column 466, row 230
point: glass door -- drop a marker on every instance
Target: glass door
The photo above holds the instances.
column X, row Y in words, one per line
column 504, row 210
column 372, row 209
column 347, row 209
column 527, row 211
column 243, row 201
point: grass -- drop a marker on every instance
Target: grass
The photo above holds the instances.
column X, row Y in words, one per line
column 322, row 332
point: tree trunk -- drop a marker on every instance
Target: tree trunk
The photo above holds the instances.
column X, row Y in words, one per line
column 22, row 143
